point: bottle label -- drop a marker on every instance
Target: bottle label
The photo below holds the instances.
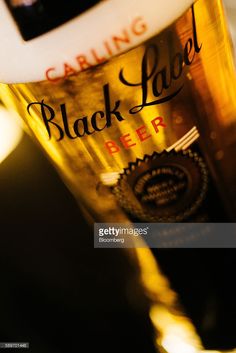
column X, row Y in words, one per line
column 165, row 187
column 162, row 76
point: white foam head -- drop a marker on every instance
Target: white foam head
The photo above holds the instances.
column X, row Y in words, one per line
column 88, row 37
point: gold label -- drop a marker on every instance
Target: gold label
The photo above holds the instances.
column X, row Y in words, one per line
column 164, row 187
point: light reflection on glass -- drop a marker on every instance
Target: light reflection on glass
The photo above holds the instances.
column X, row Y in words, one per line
column 10, row 133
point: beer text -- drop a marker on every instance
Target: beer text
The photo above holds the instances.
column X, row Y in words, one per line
column 161, row 78
column 155, row 81
column 141, row 134
column 110, row 47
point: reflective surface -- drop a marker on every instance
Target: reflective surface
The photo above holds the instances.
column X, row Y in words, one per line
column 95, row 124
column 84, row 166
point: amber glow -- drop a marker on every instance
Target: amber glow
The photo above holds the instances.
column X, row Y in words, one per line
column 10, row 134
column 175, row 332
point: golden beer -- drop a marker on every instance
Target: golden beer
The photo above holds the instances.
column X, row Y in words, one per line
column 148, row 135
column 143, row 128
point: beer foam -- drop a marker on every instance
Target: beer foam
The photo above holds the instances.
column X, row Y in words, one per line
column 22, row 61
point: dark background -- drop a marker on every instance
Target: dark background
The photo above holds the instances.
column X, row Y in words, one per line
column 45, row 15
column 56, row 291
column 61, row 295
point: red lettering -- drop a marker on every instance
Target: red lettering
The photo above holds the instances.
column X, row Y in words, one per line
column 108, row 48
column 124, row 39
column 138, row 26
column 83, row 63
column 52, row 78
column 125, row 139
column 96, row 57
column 142, row 133
column 112, row 147
column 157, row 122
column 68, row 70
